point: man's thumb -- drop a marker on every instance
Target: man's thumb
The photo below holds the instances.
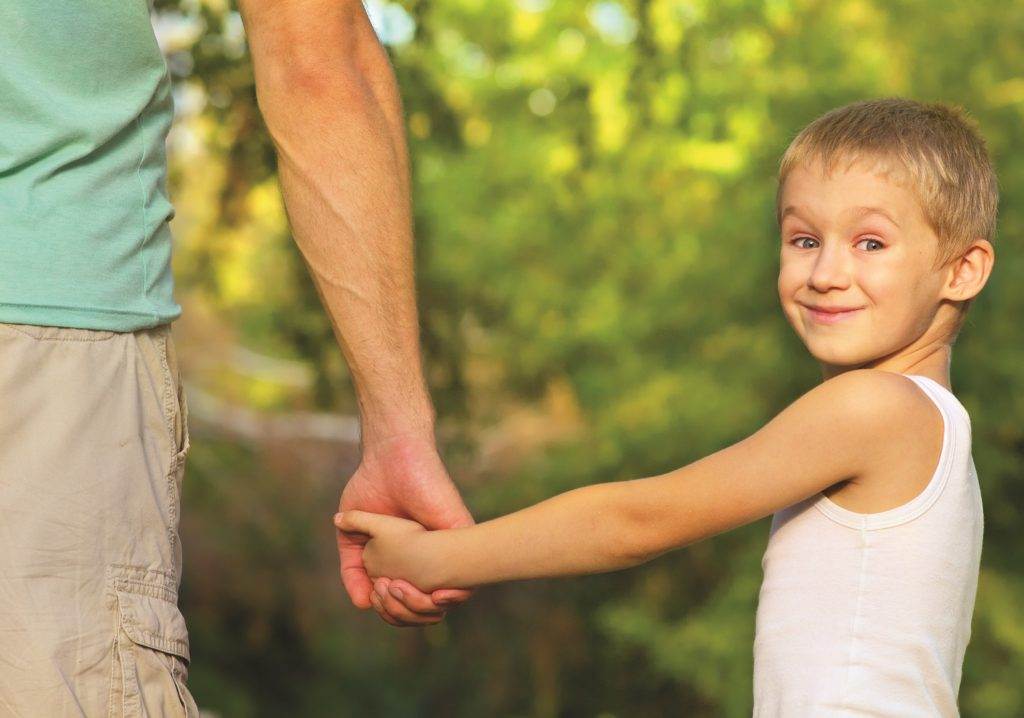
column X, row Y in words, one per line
column 444, row 510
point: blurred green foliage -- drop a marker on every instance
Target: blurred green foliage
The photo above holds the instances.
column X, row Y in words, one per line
column 597, row 249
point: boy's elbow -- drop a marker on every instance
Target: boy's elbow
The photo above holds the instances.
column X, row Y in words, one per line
column 641, row 533
column 629, row 554
column 653, row 520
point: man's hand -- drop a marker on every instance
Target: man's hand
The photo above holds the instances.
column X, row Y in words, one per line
column 401, row 476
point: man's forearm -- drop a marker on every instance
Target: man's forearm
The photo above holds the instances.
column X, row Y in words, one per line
column 336, row 120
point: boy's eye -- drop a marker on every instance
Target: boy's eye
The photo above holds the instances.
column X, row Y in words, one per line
column 874, row 247
column 876, row 242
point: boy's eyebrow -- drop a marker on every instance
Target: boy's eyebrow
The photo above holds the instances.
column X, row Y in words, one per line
column 859, row 212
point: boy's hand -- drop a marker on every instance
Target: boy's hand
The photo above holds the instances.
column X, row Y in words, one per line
column 395, row 547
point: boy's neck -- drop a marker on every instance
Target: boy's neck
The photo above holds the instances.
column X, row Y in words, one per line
column 930, row 360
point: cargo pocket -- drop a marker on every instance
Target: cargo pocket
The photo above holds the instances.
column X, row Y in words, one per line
column 150, row 647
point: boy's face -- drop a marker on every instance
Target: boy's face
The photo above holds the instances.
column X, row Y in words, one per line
column 836, row 254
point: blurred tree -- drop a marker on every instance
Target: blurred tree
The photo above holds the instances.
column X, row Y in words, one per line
column 594, row 187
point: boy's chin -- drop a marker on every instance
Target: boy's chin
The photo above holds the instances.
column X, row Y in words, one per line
column 837, row 358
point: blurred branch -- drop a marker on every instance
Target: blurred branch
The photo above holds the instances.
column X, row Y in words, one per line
column 261, row 426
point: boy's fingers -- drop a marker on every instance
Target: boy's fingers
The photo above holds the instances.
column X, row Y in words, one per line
column 360, row 522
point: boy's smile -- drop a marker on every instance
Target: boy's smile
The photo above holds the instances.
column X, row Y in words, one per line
column 856, row 274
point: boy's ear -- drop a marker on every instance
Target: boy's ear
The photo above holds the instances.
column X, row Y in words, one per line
column 969, row 274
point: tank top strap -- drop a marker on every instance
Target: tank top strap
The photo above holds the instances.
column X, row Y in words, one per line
column 956, row 439
column 943, row 397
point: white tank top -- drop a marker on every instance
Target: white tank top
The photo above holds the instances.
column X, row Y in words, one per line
column 870, row 614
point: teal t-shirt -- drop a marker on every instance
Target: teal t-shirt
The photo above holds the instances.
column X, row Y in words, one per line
column 85, row 106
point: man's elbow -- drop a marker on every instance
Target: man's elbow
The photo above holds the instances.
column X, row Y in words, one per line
column 310, row 75
column 313, row 57
column 296, row 94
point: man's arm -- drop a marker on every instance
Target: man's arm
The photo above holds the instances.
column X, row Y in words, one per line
column 330, row 102
column 838, row 431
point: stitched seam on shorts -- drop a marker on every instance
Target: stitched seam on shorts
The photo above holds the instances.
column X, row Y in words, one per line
column 112, row 689
column 14, row 327
column 168, row 411
column 172, row 501
column 169, row 394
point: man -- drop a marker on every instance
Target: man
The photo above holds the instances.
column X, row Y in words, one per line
column 93, row 417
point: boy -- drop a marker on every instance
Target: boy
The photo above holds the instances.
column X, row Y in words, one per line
column 886, row 211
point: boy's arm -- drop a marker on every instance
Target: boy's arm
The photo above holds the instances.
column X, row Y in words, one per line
column 835, row 432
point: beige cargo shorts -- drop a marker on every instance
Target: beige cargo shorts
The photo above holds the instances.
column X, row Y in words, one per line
column 93, row 439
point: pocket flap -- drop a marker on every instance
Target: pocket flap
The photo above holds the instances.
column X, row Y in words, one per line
column 149, row 611
column 154, row 622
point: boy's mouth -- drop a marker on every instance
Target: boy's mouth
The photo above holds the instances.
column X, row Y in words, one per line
column 828, row 314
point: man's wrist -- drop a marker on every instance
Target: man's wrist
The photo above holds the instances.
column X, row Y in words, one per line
column 398, row 419
column 381, row 431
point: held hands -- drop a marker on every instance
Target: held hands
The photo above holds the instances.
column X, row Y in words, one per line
column 402, row 476
column 395, row 547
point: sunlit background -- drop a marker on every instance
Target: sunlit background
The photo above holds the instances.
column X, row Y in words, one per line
column 596, row 259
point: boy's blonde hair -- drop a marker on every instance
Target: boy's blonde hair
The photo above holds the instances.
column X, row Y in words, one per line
column 934, row 149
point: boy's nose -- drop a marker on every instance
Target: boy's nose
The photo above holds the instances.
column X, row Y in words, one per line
column 831, row 269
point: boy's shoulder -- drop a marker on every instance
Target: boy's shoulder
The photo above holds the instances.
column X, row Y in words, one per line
column 879, row 395
column 904, row 427
column 873, row 384
column 858, row 428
